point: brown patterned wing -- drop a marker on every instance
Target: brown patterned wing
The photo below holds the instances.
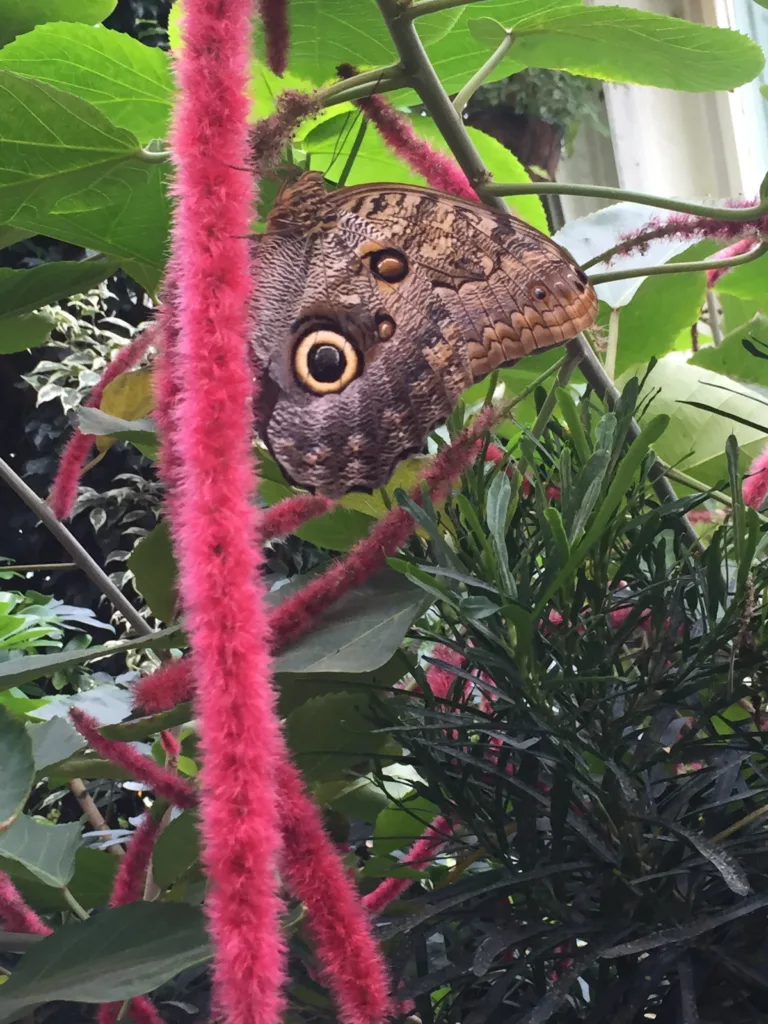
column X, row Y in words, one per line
column 378, row 305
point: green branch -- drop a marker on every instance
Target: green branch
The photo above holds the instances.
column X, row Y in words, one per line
column 469, row 90
column 433, row 6
column 681, row 268
column 620, row 195
column 359, row 87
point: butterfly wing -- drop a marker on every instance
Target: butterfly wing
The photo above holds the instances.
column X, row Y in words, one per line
column 420, row 293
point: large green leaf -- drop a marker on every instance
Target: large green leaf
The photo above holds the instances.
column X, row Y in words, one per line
column 398, row 826
column 459, row 54
column 661, row 308
column 132, row 226
column 20, row 671
column 128, row 82
column 59, row 152
column 123, row 952
column 17, row 16
column 176, row 850
column 360, row 632
column 48, row 851
column 328, row 735
column 695, row 440
column 91, row 883
column 737, row 355
column 154, row 570
column 618, row 44
column 345, row 32
column 295, row 689
column 748, row 282
column 52, row 741
column 18, row 767
column 23, row 291
column 18, row 333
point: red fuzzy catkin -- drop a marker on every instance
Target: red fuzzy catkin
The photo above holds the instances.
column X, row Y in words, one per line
column 64, row 489
column 213, row 518
column 683, row 226
column 289, row 514
column 351, row 964
column 274, row 18
column 128, row 886
column 166, row 784
column 15, row 915
column 141, row 1011
column 754, row 489
column 268, row 137
column 439, row 170
column 420, row 854
column 296, row 614
column 166, row 687
column 737, row 249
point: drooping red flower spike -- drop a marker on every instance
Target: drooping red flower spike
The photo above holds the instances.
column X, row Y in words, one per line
column 439, row 170
column 15, row 915
column 739, row 248
column 754, row 489
column 163, row 782
column 295, row 616
column 684, row 226
column 142, row 1011
column 213, row 520
column 420, row 854
column 289, row 514
column 269, row 135
column 274, row 18
column 64, row 489
column 351, row 964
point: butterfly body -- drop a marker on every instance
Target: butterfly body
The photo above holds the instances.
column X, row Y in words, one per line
column 377, row 305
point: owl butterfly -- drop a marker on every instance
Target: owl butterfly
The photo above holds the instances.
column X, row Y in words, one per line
column 376, row 306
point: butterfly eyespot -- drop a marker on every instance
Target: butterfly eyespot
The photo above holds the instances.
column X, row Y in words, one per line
column 325, row 362
column 385, row 326
column 582, row 280
column 540, row 293
column 389, row 265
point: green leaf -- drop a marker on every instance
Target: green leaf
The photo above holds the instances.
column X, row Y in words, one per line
column 330, row 734
column 18, row 767
column 95, row 164
column 18, row 16
column 24, row 291
column 360, row 632
column 20, row 671
column 91, row 883
column 48, row 851
column 120, row 953
column 130, row 83
column 661, row 308
column 19, row 333
column 53, row 741
column 397, row 827
column 736, row 359
column 176, row 850
column 696, row 438
column 346, row 32
column 295, row 689
column 746, row 282
column 154, row 569
column 618, row 44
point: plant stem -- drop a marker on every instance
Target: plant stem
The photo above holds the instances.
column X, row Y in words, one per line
column 79, row 555
column 77, row 909
column 469, row 90
column 38, row 567
column 613, row 342
column 713, row 318
column 433, row 6
column 619, row 195
column 363, row 85
column 680, row 268
column 92, row 812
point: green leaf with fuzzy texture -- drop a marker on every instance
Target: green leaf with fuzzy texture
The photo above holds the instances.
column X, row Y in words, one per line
column 127, row 81
column 18, row 767
column 19, row 16
column 618, row 44
column 120, row 953
column 48, row 851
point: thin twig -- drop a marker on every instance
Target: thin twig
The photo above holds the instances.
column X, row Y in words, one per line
column 363, row 85
column 619, row 195
column 680, row 268
column 92, row 813
column 79, row 555
column 469, row 90
column 612, row 349
column 38, row 567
